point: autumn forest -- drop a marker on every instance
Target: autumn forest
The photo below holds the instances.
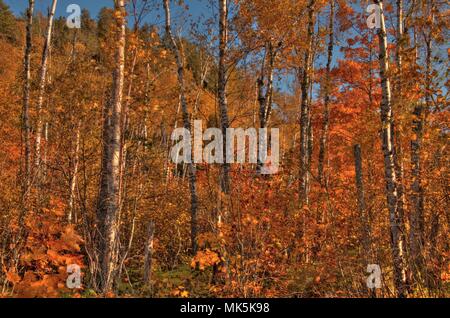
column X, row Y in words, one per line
column 352, row 199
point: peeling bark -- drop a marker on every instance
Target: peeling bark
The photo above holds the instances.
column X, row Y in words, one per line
column 26, row 183
column 110, row 171
column 387, row 121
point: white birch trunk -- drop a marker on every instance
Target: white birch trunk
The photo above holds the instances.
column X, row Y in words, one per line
column 387, row 122
column 74, row 174
column 26, row 183
column 110, row 172
column 42, row 85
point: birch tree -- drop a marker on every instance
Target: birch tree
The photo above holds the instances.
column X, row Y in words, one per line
column 138, row 14
column 362, row 207
column 42, row 86
column 417, row 221
column 110, row 166
column 186, row 124
column 74, row 163
column 26, row 110
column 396, row 131
column 304, row 108
column 387, row 122
column 222, row 83
column 265, row 89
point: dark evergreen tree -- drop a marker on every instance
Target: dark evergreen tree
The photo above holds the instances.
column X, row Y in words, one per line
column 8, row 27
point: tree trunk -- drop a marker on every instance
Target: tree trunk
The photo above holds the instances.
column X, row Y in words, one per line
column 222, row 83
column 387, row 122
column 26, row 182
column 125, row 121
column 149, row 253
column 124, row 131
column 362, row 202
column 326, row 103
column 417, row 221
column 187, row 125
column 304, row 110
column 42, row 85
column 396, row 132
column 74, row 174
column 265, row 92
column 363, row 213
column 110, row 171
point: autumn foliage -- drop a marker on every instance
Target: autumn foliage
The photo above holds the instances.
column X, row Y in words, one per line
column 263, row 238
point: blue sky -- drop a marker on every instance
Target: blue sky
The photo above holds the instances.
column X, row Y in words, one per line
column 18, row 6
column 197, row 8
